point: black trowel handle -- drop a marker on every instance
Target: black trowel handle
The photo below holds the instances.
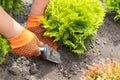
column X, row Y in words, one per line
column 43, row 50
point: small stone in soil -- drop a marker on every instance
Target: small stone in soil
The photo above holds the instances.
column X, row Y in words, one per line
column 29, row 77
column 33, row 69
column 14, row 70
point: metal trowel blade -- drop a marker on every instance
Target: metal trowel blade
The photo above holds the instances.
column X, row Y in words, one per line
column 50, row 54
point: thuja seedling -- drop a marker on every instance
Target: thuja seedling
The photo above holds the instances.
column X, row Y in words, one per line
column 109, row 70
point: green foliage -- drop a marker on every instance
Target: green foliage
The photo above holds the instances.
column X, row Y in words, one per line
column 4, row 48
column 71, row 22
column 12, row 6
column 113, row 5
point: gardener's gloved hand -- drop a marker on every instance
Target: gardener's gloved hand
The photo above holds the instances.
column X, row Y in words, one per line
column 25, row 44
column 34, row 25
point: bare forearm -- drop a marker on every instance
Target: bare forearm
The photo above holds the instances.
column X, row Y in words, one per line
column 8, row 26
column 38, row 7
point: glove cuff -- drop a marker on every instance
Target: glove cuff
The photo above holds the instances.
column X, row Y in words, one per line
column 33, row 20
column 21, row 39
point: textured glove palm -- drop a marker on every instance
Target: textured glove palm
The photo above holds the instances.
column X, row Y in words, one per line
column 25, row 44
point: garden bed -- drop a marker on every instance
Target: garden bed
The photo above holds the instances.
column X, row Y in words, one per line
column 106, row 44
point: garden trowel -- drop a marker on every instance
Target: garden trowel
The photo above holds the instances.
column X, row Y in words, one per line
column 50, row 54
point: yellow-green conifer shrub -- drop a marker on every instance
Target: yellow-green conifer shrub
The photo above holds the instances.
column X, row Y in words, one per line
column 4, row 48
column 12, row 6
column 113, row 5
column 71, row 22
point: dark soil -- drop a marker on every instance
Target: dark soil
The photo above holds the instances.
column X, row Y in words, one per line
column 106, row 44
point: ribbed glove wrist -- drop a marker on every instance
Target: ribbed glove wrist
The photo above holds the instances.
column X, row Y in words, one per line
column 33, row 20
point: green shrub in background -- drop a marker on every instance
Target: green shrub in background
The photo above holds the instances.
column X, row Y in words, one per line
column 71, row 22
column 113, row 5
column 4, row 48
column 11, row 6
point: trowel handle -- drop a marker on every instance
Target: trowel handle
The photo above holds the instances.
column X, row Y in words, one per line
column 41, row 48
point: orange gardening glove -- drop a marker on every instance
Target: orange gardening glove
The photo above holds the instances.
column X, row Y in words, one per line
column 34, row 25
column 25, row 44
